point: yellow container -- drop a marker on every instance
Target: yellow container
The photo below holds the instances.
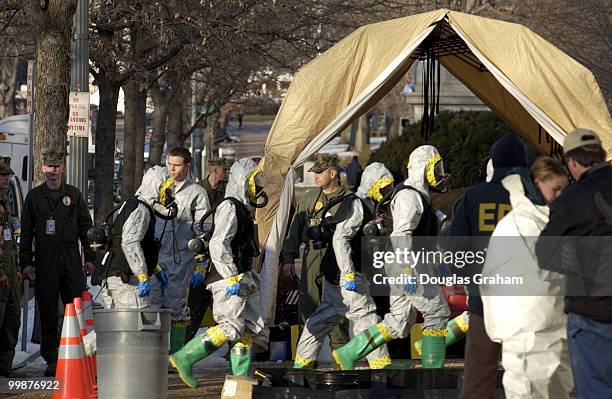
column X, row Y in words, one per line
column 295, row 335
column 416, row 333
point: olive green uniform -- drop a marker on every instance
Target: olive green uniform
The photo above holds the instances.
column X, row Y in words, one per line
column 308, row 213
column 9, row 294
column 216, row 194
column 200, row 297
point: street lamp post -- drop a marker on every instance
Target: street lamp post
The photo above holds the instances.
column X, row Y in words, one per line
column 79, row 81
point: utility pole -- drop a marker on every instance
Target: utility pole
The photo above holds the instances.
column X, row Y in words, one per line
column 79, row 81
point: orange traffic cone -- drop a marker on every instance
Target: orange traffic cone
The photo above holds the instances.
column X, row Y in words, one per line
column 87, row 311
column 78, row 307
column 89, row 324
column 72, row 370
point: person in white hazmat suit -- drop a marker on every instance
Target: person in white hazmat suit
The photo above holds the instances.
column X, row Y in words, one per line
column 412, row 215
column 530, row 327
column 234, row 286
column 175, row 259
column 131, row 258
column 346, row 292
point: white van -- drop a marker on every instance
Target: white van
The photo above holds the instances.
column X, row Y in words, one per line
column 15, row 143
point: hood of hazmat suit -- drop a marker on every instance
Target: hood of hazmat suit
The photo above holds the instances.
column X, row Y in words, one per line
column 426, row 170
column 490, row 170
column 376, row 181
column 238, row 180
column 151, row 182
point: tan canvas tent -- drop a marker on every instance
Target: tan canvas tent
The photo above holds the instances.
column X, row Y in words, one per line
column 528, row 82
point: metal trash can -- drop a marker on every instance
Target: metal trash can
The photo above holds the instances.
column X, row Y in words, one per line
column 132, row 353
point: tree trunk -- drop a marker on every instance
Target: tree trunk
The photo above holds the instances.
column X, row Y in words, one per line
column 139, row 139
column 160, row 119
column 105, row 147
column 52, row 81
column 51, row 27
column 130, row 91
column 8, row 78
column 175, row 120
column 396, row 128
column 362, row 138
column 345, row 135
column 183, row 140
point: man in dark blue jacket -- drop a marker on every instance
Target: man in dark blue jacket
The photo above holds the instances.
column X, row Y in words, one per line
column 476, row 216
column 577, row 242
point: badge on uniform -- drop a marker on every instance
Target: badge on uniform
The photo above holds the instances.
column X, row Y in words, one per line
column 50, row 227
column 8, row 236
column 318, row 206
column 67, row 201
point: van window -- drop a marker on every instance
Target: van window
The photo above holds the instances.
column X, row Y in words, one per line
column 24, row 169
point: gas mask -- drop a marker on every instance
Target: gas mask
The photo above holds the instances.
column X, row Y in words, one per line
column 169, row 202
column 381, row 188
column 320, row 235
column 373, row 228
column 200, row 243
column 435, row 176
column 100, row 236
column 255, row 189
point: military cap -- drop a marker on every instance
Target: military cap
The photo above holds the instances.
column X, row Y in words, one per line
column 53, row 158
column 5, row 165
column 578, row 138
column 218, row 162
column 324, row 161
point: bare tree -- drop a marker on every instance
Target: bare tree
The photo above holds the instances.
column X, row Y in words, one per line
column 51, row 23
column 8, row 80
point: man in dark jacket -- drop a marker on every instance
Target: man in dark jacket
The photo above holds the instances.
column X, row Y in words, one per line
column 56, row 216
column 476, row 216
column 353, row 173
column 578, row 243
column 10, row 278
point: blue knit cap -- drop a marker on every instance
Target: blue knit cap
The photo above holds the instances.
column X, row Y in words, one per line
column 508, row 152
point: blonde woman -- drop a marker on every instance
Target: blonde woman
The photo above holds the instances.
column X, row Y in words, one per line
column 528, row 320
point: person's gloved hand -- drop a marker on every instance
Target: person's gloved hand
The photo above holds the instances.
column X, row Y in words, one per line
column 411, row 285
column 350, row 283
column 144, row 285
column 198, row 276
column 233, row 285
column 162, row 276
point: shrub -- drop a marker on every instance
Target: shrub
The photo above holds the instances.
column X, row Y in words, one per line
column 463, row 139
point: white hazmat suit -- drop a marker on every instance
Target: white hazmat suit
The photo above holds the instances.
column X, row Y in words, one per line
column 235, row 289
column 407, row 208
column 174, row 257
column 337, row 302
column 531, row 329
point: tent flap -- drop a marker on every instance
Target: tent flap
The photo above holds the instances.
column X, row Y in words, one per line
column 529, row 82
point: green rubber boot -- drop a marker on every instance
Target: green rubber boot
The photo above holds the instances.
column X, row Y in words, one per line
column 240, row 355
column 456, row 329
column 196, row 350
column 434, row 348
column 178, row 329
column 301, row 363
column 360, row 346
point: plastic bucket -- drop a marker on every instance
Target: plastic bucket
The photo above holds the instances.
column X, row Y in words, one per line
column 433, row 351
column 132, row 353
